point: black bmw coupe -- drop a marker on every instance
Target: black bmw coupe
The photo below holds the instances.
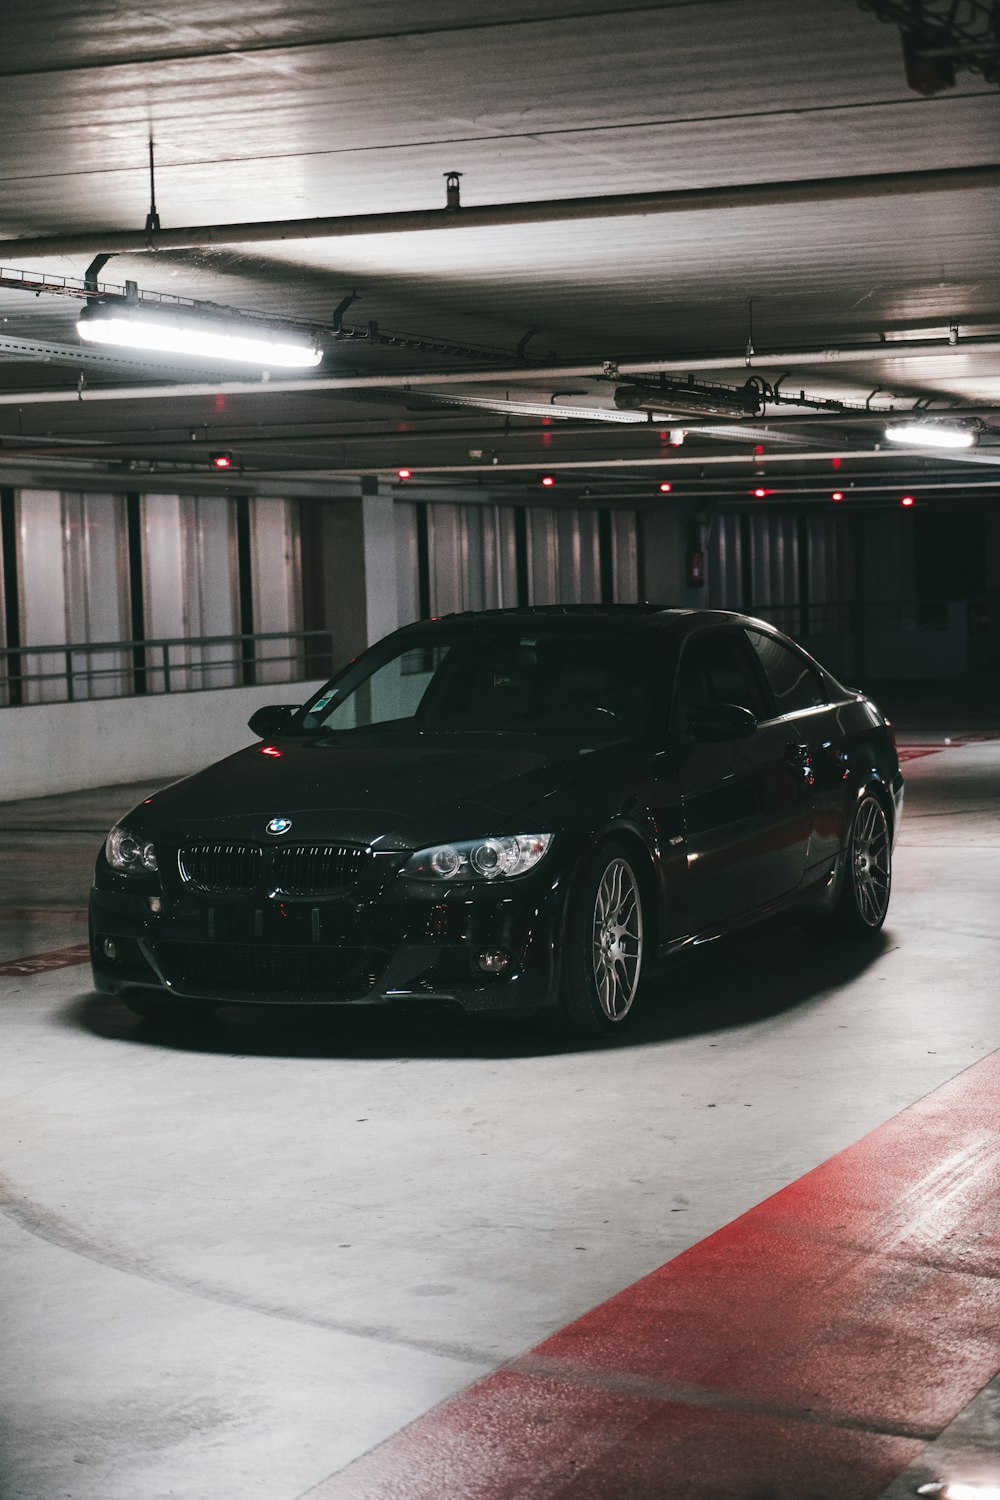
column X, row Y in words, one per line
column 516, row 810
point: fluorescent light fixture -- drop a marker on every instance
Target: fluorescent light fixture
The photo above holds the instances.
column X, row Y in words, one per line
column 670, row 397
column 931, row 435
column 193, row 334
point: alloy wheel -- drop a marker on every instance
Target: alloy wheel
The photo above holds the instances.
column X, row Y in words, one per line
column 870, row 861
column 617, row 940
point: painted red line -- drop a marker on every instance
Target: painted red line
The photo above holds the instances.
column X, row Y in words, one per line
column 809, row 1349
column 36, row 914
column 918, row 748
column 44, row 963
column 45, row 856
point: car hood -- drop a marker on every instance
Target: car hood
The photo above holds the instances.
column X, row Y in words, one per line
column 396, row 792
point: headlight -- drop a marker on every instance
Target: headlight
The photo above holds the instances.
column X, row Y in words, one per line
column 128, row 854
column 479, row 859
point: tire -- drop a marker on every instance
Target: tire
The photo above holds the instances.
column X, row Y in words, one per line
column 166, row 1008
column 867, row 879
column 604, row 947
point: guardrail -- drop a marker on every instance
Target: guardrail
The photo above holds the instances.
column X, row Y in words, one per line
column 124, row 669
column 840, row 617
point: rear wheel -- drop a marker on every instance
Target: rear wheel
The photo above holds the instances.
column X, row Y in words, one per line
column 867, row 879
column 604, row 954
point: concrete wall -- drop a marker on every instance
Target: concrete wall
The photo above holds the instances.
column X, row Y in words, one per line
column 64, row 747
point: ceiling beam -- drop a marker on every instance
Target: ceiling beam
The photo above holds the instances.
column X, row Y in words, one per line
column 755, row 195
column 884, row 352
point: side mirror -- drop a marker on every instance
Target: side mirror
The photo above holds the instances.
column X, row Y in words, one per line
column 720, row 721
column 274, row 719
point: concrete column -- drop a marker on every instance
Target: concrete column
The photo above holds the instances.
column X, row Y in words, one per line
column 667, row 533
column 358, row 542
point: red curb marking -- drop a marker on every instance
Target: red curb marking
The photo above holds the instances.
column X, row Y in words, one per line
column 914, row 752
column 934, row 747
column 810, row 1348
column 46, row 856
column 44, row 963
column 41, row 914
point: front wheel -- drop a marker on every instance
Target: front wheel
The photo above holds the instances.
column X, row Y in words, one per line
column 604, row 953
column 867, row 879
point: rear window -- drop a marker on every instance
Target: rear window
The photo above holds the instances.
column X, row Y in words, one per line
column 794, row 682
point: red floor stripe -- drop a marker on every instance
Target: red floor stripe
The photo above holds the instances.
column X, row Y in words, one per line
column 807, row 1351
column 35, row 914
column 44, row 963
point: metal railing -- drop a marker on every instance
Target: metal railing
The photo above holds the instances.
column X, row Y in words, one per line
column 844, row 617
column 123, row 669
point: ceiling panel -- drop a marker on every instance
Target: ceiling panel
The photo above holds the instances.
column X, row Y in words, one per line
column 308, row 109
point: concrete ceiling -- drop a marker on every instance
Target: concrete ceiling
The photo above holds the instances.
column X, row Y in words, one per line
column 336, row 109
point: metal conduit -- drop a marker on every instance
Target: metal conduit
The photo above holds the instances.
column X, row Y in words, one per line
column 545, row 211
column 667, row 462
column 686, row 364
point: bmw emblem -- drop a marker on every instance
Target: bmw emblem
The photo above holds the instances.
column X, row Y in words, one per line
column 279, row 825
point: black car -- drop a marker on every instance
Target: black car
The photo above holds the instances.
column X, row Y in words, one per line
column 513, row 810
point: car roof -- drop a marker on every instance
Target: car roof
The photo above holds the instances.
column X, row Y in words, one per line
column 645, row 616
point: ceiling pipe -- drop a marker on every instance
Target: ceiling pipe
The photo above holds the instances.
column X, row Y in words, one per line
column 429, row 473
column 545, row 211
column 884, row 352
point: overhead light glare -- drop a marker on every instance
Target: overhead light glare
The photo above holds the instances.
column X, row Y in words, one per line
column 221, row 460
column 548, row 481
column 837, row 495
column 192, row 334
column 931, row 435
column 908, row 500
column 404, row 473
column 759, row 493
column 957, row 1490
column 665, row 487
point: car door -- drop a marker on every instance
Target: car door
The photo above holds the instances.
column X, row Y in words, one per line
column 809, row 721
column 744, row 812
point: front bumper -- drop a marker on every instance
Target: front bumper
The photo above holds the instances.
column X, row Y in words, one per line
column 896, row 791
column 388, row 941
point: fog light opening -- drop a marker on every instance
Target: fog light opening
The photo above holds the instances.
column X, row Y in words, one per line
column 109, row 948
column 493, row 961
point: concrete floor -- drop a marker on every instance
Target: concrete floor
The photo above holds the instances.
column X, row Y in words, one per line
column 235, row 1259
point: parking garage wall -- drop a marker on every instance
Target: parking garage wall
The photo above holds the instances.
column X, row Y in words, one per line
column 84, row 569
column 474, row 555
column 847, row 585
column 125, row 570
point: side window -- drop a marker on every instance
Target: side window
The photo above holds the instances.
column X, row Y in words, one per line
column 717, row 668
column 794, row 683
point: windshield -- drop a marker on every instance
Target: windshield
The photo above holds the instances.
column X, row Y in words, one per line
column 590, row 686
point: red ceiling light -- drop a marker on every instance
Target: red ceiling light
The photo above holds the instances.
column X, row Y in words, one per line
column 221, row 460
column 836, row 463
column 759, row 493
column 403, row 473
column 665, row 487
column 837, row 495
column 908, row 500
column 759, row 448
column 272, row 751
column 548, row 481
